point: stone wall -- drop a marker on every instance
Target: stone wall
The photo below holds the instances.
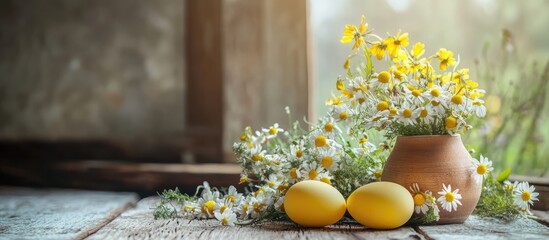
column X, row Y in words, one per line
column 91, row 69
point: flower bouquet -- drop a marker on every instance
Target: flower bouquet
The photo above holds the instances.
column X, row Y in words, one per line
column 415, row 94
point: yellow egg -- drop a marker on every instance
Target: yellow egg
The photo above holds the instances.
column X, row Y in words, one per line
column 314, row 204
column 381, row 205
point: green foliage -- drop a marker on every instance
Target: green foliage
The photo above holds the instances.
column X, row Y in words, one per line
column 165, row 207
column 504, row 175
column 496, row 201
column 398, row 129
column 426, row 219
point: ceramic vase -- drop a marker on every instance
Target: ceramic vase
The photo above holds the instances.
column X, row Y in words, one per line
column 431, row 161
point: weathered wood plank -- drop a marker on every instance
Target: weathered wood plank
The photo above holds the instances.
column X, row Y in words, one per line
column 58, row 214
column 488, row 229
column 543, row 216
column 144, row 178
column 138, row 223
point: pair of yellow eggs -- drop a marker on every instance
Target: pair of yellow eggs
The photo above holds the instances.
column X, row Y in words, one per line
column 379, row 205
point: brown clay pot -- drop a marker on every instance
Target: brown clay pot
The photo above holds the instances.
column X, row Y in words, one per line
column 431, row 161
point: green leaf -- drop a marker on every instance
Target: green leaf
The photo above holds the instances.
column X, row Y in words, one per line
column 369, row 66
column 504, row 175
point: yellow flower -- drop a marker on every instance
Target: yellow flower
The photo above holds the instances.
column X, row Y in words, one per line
column 378, row 49
column 352, row 32
column 394, row 43
column 347, row 63
column 418, row 50
column 445, row 58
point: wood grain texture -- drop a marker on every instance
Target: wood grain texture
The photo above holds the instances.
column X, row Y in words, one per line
column 143, row 178
column 58, row 214
column 139, row 223
column 488, row 229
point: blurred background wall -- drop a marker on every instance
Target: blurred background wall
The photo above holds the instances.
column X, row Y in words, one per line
column 91, row 69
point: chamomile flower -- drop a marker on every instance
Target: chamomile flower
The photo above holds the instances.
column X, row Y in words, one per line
column 296, row 150
column 383, row 80
column 295, row 174
column 233, row 196
column 420, row 201
column 328, row 158
column 329, row 126
column 448, row 199
column 244, row 209
column 481, row 168
column 341, row 113
column 325, row 178
column 510, row 186
column 273, row 131
column 257, row 154
column 273, row 182
column 478, row 107
column 226, row 218
column 311, row 171
column 424, row 115
column 524, row 194
column 406, row 114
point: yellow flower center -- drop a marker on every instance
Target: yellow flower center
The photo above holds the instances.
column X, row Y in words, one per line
column 243, row 179
column 423, row 113
column 258, row 206
column 416, row 93
column 393, row 112
column 363, row 140
column 419, row 199
column 245, row 207
column 271, row 183
column 451, row 122
column 525, row 196
column 457, row 99
column 477, row 103
column 378, row 173
column 509, row 187
column 381, row 106
column 208, row 207
column 326, row 180
column 313, row 174
column 384, row 77
column 320, row 141
column 449, row 197
column 407, row 113
column 257, row 157
column 435, row 103
column 293, row 173
column 361, row 100
column 282, row 187
column 273, row 131
column 224, row 221
column 222, row 208
column 299, row 153
column 435, row 93
column 327, row 161
column 343, row 115
column 243, row 137
column 481, row 169
column 328, row 127
column 231, row 198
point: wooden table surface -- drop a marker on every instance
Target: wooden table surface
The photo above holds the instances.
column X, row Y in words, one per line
column 75, row 214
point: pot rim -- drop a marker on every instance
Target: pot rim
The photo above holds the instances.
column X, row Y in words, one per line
column 430, row 136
